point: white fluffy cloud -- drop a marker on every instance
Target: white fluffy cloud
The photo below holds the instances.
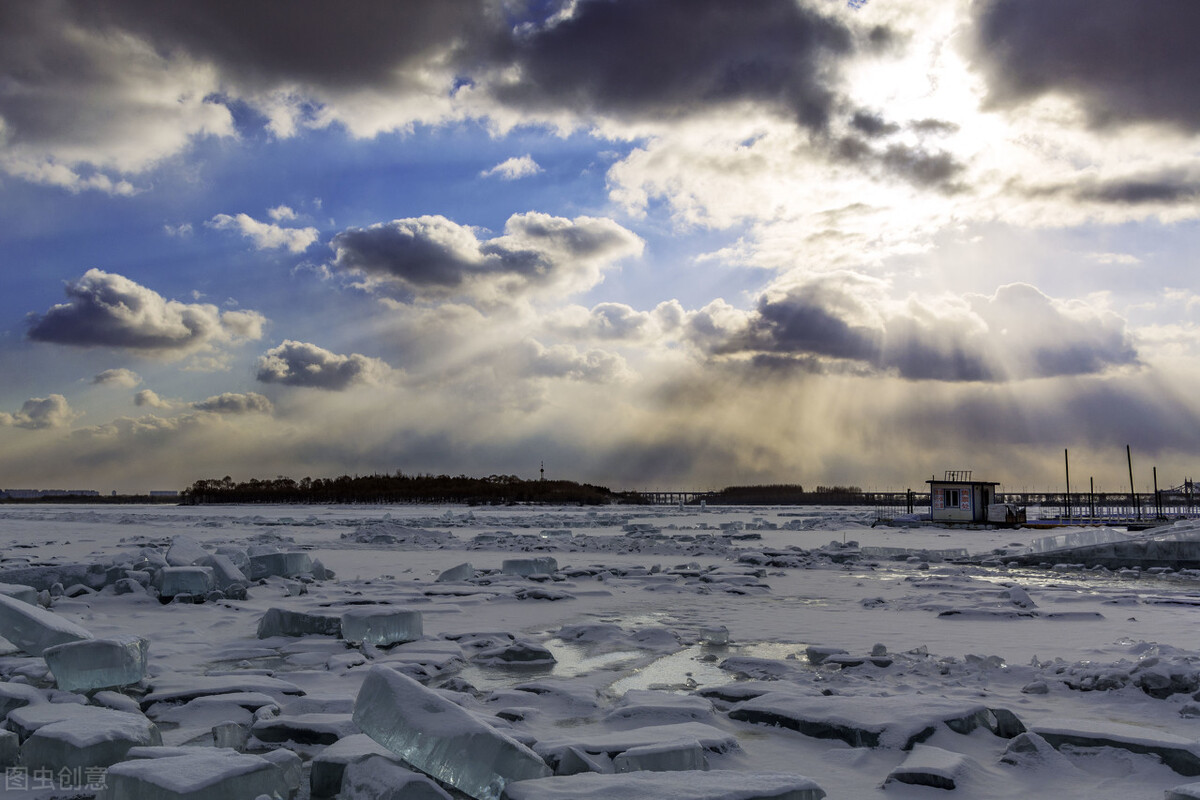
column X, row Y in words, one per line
column 39, row 413
column 150, row 399
column 266, row 235
column 513, row 169
column 108, row 310
column 123, row 377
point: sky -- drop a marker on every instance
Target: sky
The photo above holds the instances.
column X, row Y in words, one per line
column 651, row 244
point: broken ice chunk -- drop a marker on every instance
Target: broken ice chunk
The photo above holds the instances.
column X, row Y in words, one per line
column 660, row 707
column 615, row 742
column 304, row 728
column 521, row 653
column 185, row 552
column 328, row 767
column 380, row 778
column 201, row 774
column 97, row 663
column 290, row 765
column 225, row 572
column 440, row 738
column 462, row 572
column 281, row 622
column 284, row 565
column 933, row 766
column 692, row 785
column 173, row 581
column 899, row 721
column 542, row 565
column 1178, row 753
column 381, row 625
column 673, row 756
column 26, row 594
column 96, row 739
column 1190, row 791
column 33, row 629
column 10, row 749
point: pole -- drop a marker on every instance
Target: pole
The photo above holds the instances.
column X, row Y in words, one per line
column 1067, row 462
column 1092, row 497
column 1132, row 491
column 1157, row 497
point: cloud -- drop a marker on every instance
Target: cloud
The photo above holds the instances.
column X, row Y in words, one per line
column 39, row 413
column 235, row 403
column 432, row 257
column 281, row 213
column 673, row 58
column 837, row 321
column 108, row 310
column 126, row 378
column 150, row 399
column 563, row 361
column 265, row 235
column 513, row 169
column 83, row 105
column 615, row 322
column 1122, row 62
column 94, row 93
column 301, row 364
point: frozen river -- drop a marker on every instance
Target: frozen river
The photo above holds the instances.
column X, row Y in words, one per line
column 768, row 627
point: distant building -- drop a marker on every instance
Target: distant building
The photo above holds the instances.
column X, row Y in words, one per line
column 34, row 494
column 958, row 498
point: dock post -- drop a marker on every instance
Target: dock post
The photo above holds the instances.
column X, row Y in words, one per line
column 1132, row 491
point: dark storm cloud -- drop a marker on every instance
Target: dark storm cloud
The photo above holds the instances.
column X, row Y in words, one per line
column 302, row 364
column 109, row 310
column 434, row 256
column 871, row 124
column 1169, row 190
column 921, row 167
column 830, row 324
column 915, row 165
column 235, row 403
column 1098, row 413
column 804, row 322
column 1125, row 62
column 935, row 126
column 1158, row 188
column 367, row 42
column 669, row 58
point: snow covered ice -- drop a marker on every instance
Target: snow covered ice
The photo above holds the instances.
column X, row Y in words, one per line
column 381, row 625
column 98, row 663
column 34, row 629
column 719, row 653
column 440, row 738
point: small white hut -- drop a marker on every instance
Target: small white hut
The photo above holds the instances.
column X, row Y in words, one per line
column 958, row 498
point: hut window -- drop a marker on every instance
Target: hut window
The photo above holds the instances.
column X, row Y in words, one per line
column 951, row 497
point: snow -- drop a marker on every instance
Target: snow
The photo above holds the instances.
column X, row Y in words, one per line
column 673, row 786
column 441, row 739
column 33, row 629
column 747, row 622
column 97, row 663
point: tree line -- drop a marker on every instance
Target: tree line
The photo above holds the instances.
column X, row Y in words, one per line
column 401, row 488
